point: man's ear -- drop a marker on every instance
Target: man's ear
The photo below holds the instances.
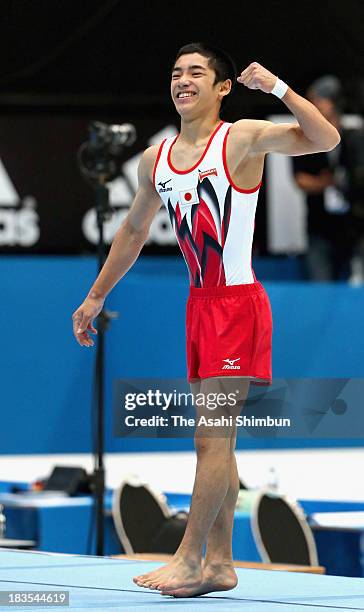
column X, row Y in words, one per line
column 225, row 87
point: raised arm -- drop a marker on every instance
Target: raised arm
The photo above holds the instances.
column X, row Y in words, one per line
column 312, row 134
column 125, row 248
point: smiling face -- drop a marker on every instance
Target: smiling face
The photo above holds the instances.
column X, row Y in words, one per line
column 193, row 88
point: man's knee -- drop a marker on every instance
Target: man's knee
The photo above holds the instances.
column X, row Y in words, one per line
column 211, row 443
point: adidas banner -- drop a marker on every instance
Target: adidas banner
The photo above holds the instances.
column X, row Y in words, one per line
column 46, row 205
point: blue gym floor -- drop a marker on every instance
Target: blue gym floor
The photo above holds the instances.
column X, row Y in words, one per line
column 99, row 584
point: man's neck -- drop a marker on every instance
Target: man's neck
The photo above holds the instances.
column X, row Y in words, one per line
column 197, row 131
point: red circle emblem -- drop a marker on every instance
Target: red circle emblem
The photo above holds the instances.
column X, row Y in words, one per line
column 188, row 196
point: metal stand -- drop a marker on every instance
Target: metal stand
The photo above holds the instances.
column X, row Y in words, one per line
column 100, row 161
column 103, row 212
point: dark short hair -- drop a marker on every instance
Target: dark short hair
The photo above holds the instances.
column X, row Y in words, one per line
column 218, row 60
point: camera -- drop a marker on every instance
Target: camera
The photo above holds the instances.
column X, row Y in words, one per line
column 100, row 157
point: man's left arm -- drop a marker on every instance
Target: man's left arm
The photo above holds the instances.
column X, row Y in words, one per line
column 312, row 134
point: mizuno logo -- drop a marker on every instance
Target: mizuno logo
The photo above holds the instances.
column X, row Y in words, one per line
column 229, row 364
column 163, row 185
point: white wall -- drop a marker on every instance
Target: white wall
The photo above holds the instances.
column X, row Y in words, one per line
column 302, row 474
column 286, row 209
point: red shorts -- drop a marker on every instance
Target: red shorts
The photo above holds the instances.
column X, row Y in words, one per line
column 229, row 333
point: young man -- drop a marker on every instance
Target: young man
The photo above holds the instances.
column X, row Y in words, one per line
column 209, row 179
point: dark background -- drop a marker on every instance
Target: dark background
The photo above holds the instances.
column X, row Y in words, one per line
column 111, row 60
column 125, row 49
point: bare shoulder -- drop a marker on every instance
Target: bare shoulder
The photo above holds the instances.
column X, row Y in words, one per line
column 243, row 135
column 248, row 128
column 147, row 163
column 149, row 156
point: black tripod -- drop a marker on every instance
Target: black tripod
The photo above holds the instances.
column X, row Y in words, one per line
column 99, row 161
column 103, row 212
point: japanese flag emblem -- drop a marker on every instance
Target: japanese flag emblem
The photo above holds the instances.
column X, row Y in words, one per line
column 188, row 197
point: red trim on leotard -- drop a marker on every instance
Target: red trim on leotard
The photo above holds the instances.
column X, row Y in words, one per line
column 157, row 159
column 201, row 158
column 228, row 175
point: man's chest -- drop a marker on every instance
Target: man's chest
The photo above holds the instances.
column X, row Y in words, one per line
column 186, row 157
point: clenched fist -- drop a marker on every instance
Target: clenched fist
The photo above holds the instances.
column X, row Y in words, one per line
column 256, row 76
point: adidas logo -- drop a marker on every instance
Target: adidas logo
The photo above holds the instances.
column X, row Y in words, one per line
column 19, row 219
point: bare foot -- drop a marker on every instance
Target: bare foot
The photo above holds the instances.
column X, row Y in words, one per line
column 215, row 577
column 176, row 574
column 143, row 579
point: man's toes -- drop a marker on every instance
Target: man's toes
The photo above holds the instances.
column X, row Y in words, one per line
column 169, row 586
column 152, row 584
column 148, row 584
column 141, row 583
column 161, row 586
column 139, row 579
column 146, row 577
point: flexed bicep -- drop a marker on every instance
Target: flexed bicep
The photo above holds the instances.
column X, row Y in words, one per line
column 286, row 138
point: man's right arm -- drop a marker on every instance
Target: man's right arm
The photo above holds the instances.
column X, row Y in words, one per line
column 125, row 248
